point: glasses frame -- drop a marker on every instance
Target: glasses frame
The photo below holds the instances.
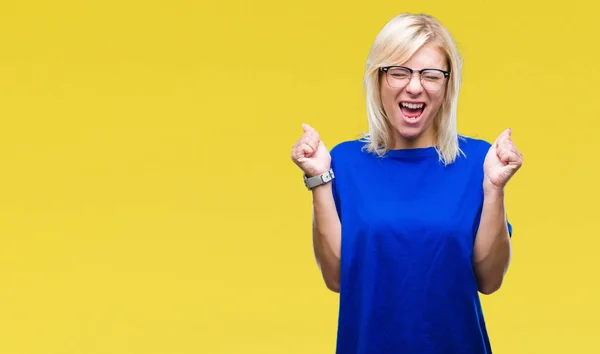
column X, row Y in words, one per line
column 412, row 72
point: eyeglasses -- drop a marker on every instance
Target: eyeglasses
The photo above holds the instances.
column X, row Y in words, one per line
column 431, row 79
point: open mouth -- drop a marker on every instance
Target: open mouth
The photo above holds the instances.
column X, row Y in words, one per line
column 412, row 111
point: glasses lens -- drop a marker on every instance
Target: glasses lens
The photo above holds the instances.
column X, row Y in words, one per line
column 432, row 80
column 398, row 77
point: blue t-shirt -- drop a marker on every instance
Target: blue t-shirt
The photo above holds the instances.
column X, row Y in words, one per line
column 407, row 283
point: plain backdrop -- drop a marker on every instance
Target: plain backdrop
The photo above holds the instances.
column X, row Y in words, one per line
column 148, row 203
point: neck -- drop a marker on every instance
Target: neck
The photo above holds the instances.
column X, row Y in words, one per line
column 422, row 141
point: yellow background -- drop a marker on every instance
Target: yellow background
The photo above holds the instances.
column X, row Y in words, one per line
column 148, row 203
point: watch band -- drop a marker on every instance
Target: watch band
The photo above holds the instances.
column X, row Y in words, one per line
column 312, row 182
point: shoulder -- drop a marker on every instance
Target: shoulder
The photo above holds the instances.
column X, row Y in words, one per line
column 473, row 148
column 348, row 148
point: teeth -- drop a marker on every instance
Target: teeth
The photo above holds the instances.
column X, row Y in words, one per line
column 412, row 105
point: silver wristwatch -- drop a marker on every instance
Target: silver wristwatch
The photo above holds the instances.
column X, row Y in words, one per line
column 312, row 182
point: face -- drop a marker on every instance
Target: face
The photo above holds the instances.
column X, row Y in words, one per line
column 411, row 109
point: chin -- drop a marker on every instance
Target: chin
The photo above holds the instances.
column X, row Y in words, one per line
column 410, row 135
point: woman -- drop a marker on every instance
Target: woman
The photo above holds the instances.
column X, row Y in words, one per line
column 409, row 222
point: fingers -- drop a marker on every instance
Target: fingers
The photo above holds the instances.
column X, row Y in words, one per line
column 307, row 145
column 506, row 134
column 306, row 127
column 506, row 149
column 509, row 156
column 310, row 138
column 301, row 151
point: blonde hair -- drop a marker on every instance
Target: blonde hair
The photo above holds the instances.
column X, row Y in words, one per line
column 399, row 39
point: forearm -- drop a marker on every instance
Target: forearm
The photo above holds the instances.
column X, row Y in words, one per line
column 492, row 250
column 327, row 236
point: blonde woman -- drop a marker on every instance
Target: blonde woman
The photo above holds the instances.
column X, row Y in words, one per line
column 409, row 223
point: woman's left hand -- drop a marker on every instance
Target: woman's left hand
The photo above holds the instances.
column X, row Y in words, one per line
column 502, row 161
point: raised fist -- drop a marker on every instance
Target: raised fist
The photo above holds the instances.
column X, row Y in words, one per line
column 310, row 154
column 502, row 161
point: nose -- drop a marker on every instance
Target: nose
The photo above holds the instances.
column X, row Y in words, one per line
column 414, row 86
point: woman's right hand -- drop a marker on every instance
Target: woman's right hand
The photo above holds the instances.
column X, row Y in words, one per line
column 310, row 154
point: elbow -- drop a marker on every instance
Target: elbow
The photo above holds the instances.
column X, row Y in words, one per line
column 490, row 278
column 488, row 288
column 489, row 282
column 333, row 285
column 330, row 272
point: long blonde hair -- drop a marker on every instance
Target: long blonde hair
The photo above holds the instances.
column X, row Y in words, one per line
column 399, row 39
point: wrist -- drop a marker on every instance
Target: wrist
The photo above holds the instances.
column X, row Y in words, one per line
column 312, row 182
column 317, row 172
column 492, row 191
column 323, row 188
